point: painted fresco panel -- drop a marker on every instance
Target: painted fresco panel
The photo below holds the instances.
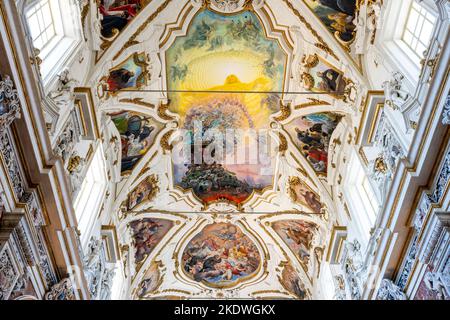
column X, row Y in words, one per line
column 221, row 54
column 146, row 234
column 221, row 256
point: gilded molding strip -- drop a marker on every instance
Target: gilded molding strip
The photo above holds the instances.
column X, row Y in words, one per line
column 285, row 112
column 311, row 103
column 132, row 40
column 162, row 112
column 139, row 102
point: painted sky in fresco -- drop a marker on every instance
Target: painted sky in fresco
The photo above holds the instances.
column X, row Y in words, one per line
column 226, row 53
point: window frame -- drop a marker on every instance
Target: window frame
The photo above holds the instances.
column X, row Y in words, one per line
column 34, row 11
column 61, row 51
column 416, row 34
column 391, row 41
column 92, row 192
column 357, row 195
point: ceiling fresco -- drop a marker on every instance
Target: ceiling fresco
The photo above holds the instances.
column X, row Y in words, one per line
column 116, row 16
column 137, row 134
column 130, row 74
column 225, row 229
column 291, row 282
column 298, row 235
column 146, row 234
column 145, row 191
column 150, row 281
column 312, row 134
column 301, row 193
column 220, row 54
column 221, row 256
column 337, row 15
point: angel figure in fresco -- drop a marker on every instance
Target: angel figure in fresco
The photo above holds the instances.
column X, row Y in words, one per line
column 301, row 240
column 144, row 233
column 311, row 199
column 331, row 81
column 118, row 79
column 115, row 17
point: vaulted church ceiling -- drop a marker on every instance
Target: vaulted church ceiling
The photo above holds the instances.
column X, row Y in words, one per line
column 227, row 117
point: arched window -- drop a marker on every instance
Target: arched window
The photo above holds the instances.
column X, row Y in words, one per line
column 54, row 27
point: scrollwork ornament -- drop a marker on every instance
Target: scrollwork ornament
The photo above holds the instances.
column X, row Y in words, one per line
column 8, row 275
column 446, row 115
column 389, row 291
column 9, row 102
column 63, row 290
column 228, row 6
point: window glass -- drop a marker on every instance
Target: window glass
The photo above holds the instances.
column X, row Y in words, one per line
column 41, row 24
column 418, row 29
column 361, row 197
column 92, row 191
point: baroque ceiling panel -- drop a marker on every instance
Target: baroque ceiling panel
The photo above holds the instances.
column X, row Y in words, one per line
column 137, row 134
column 222, row 54
column 197, row 217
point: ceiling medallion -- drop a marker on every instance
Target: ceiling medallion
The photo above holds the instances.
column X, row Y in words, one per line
column 221, row 256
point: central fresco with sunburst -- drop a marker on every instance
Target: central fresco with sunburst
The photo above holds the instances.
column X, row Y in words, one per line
column 230, row 60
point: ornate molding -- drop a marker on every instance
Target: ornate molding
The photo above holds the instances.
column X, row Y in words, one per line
column 165, row 140
column 312, row 102
column 353, row 268
column 446, row 115
column 285, row 112
column 98, row 275
column 8, row 273
column 139, row 102
column 162, row 112
column 395, row 95
column 133, row 39
column 383, row 168
column 339, row 293
column 321, row 43
column 63, row 290
column 9, row 102
column 389, row 291
column 228, row 6
column 427, row 201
